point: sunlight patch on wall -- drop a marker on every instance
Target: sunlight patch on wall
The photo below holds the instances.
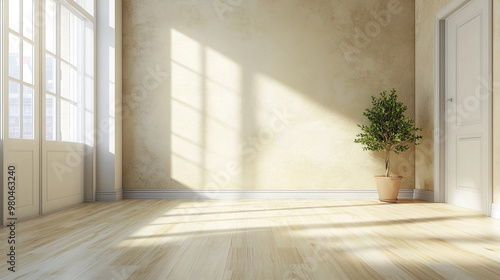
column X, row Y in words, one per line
column 186, row 51
column 205, row 108
column 280, row 162
column 223, row 110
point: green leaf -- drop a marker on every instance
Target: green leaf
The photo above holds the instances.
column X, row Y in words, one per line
column 389, row 129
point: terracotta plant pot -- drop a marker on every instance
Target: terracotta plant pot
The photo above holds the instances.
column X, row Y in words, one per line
column 388, row 188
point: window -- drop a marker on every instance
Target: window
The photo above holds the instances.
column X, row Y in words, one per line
column 87, row 5
column 21, row 69
column 63, row 49
column 63, row 73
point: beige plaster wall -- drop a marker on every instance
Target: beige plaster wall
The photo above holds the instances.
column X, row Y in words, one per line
column 261, row 94
column 425, row 11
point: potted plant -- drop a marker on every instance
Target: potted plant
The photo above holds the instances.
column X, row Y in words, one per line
column 389, row 130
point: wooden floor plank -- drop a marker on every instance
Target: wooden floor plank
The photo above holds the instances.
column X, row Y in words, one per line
column 256, row 239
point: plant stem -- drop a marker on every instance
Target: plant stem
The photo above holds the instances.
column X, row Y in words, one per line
column 387, row 162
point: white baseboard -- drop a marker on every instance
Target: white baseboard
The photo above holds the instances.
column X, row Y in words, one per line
column 423, row 195
column 257, row 194
column 495, row 211
column 109, row 195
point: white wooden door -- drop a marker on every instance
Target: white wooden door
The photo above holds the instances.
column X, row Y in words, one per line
column 21, row 108
column 467, row 108
column 45, row 79
column 62, row 107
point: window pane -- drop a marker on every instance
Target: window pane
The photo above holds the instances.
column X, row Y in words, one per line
column 65, row 80
column 66, row 66
column 50, row 117
column 75, row 85
column 75, row 40
column 50, row 26
column 65, row 29
column 14, row 57
column 89, row 92
column 50, row 73
column 89, row 48
column 89, row 82
column 69, row 122
column 88, row 5
column 69, row 82
column 28, row 62
column 15, row 15
column 14, row 110
column 28, row 26
column 28, row 113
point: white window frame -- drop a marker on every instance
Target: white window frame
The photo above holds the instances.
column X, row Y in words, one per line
column 81, row 13
column 39, row 63
column 20, row 81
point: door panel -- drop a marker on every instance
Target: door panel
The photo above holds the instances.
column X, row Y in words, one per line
column 43, row 96
column 63, row 175
column 468, row 155
column 467, row 112
column 63, row 178
column 21, row 110
column 28, row 190
column 62, row 148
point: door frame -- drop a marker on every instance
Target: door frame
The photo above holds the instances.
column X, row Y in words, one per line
column 2, row 68
column 439, row 101
column 89, row 135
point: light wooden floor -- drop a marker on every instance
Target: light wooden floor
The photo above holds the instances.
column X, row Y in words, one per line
column 257, row 239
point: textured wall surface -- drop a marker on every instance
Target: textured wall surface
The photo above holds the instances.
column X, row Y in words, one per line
column 424, row 89
column 231, row 94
